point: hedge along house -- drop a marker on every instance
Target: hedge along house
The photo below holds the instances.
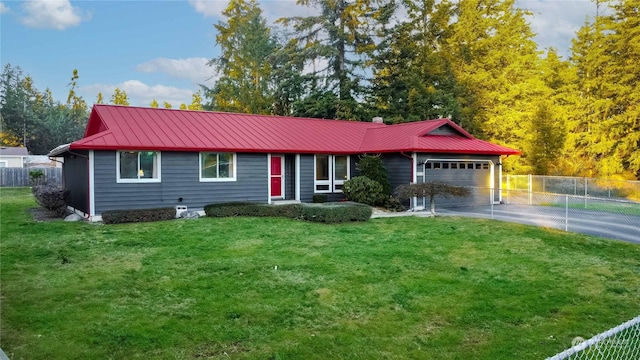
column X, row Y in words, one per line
column 140, row 158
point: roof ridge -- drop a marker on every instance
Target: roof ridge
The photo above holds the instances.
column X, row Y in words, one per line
column 146, row 108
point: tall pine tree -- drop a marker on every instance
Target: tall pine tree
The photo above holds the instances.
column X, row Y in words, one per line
column 244, row 64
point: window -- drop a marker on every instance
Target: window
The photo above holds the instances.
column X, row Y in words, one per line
column 331, row 172
column 217, row 167
column 3, row 164
column 340, row 171
column 138, row 166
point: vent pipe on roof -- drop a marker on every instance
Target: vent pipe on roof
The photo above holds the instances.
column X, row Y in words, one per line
column 378, row 120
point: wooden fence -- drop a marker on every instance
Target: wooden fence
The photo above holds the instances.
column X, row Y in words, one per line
column 21, row 176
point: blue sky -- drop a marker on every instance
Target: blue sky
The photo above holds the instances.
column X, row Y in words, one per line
column 159, row 49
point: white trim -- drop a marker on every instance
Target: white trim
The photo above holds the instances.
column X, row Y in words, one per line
column 85, row 216
column 5, row 162
column 297, row 179
column 218, row 179
column 414, row 174
column 138, row 180
column 332, row 181
column 500, row 182
column 92, row 191
column 333, row 177
column 269, row 178
column 317, row 182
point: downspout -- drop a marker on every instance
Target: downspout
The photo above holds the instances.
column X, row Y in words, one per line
column 413, row 166
column 414, row 201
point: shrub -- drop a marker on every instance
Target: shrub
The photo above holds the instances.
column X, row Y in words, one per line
column 363, row 190
column 52, row 198
column 372, row 167
column 430, row 190
column 319, row 198
column 332, row 213
column 327, row 212
column 138, row 215
column 36, row 176
column 252, row 209
column 392, row 203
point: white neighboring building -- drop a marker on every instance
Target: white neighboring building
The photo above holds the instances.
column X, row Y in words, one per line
column 13, row 156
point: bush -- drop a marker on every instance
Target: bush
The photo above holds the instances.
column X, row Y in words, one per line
column 319, row 198
column 36, row 176
column 138, row 215
column 363, row 190
column 332, row 213
column 372, row 167
column 431, row 190
column 52, row 198
column 327, row 212
column 393, row 204
column 252, row 209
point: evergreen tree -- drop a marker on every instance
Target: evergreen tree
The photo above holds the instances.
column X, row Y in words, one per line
column 496, row 64
column 412, row 77
column 244, row 63
column 120, row 97
column 334, row 44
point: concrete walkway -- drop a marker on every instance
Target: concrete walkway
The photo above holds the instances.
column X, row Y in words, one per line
column 604, row 224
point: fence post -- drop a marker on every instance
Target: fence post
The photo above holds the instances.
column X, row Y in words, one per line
column 586, row 192
column 491, row 191
column 566, row 213
column 508, row 187
column 530, row 181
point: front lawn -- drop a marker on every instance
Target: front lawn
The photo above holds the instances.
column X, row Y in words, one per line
column 273, row 288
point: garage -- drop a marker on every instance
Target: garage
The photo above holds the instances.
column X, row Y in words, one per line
column 476, row 174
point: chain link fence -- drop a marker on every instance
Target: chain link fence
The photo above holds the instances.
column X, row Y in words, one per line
column 588, row 187
column 619, row 343
column 613, row 218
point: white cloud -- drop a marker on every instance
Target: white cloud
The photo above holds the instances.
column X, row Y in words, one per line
column 54, row 14
column 271, row 9
column 4, row 8
column 556, row 22
column 139, row 93
column 209, row 8
column 194, row 69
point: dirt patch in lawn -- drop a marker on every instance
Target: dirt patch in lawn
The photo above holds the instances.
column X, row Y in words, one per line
column 40, row 214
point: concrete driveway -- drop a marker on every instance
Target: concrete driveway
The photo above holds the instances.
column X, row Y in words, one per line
column 598, row 223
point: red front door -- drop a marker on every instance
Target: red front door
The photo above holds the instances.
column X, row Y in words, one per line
column 276, row 176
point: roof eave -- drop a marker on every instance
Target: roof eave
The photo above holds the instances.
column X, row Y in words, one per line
column 61, row 149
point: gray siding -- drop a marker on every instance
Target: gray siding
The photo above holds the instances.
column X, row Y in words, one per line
column 75, row 177
column 398, row 169
column 444, row 130
column 180, row 179
column 289, row 177
column 306, row 178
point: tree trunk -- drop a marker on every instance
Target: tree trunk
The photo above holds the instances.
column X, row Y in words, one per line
column 433, row 205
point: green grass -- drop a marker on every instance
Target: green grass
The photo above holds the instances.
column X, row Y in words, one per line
column 629, row 208
column 394, row 288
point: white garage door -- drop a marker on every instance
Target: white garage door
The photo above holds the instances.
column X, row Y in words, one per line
column 476, row 175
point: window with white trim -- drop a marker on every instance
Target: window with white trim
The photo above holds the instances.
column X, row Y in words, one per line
column 3, row 163
column 138, row 166
column 217, row 166
column 331, row 171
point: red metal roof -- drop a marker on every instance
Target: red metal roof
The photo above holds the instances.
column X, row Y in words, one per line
column 133, row 128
